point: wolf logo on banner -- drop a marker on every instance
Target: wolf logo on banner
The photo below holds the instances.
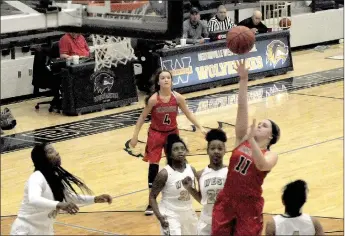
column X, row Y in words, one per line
column 103, row 80
column 179, row 68
column 276, row 51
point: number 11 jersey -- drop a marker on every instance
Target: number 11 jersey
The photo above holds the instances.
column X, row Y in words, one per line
column 244, row 179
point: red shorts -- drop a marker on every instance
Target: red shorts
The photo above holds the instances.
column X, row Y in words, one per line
column 237, row 216
column 155, row 144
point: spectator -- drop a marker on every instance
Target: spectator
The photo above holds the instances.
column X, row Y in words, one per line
column 220, row 22
column 73, row 44
column 193, row 29
column 255, row 23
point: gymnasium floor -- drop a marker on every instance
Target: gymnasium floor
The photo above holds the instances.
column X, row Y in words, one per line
column 306, row 103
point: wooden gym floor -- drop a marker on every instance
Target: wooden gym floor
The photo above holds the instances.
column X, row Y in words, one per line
column 311, row 148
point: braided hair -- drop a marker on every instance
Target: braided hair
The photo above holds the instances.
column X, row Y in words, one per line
column 60, row 180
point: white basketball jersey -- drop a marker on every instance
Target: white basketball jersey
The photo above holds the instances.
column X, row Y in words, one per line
column 174, row 195
column 211, row 182
column 300, row 225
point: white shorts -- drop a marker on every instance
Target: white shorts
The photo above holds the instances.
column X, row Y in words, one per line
column 204, row 228
column 180, row 222
column 21, row 227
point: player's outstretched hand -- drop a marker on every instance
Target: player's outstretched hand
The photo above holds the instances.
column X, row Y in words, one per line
column 187, row 182
column 241, row 69
column 104, row 198
column 69, row 207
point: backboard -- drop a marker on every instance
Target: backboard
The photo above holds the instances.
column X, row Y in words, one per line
column 148, row 19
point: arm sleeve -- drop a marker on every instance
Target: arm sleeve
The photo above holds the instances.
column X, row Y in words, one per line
column 80, row 199
column 64, row 46
column 185, row 33
column 86, row 47
column 185, row 30
column 262, row 28
column 204, row 31
column 243, row 22
column 36, row 184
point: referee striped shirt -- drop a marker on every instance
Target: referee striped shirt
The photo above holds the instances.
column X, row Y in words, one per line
column 214, row 24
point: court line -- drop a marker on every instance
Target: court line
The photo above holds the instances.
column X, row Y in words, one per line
column 137, row 211
column 21, row 139
column 86, row 228
column 336, row 231
column 117, row 234
column 292, row 150
column 105, row 232
column 311, row 145
column 122, row 195
column 313, row 95
column 323, row 217
column 281, row 153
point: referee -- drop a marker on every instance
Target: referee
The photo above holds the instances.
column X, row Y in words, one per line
column 220, row 22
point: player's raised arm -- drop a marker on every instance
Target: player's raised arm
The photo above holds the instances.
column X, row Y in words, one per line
column 242, row 110
column 141, row 120
column 157, row 187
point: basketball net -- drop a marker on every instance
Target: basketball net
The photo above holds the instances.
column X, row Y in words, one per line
column 111, row 50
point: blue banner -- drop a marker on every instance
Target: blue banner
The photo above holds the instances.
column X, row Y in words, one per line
column 219, row 63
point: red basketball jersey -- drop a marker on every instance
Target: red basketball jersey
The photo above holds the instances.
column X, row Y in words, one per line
column 163, row 114
column 243, row 178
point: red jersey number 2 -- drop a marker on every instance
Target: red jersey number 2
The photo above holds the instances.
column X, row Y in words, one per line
column 166, row 120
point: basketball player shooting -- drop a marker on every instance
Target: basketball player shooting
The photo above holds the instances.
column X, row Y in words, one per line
column 163, row 104
column 238, row 208
column 293, row 221
column 175, row 211
column 211, row 179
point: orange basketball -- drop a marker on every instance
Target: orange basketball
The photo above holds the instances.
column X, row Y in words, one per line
column 240, row 39
column 285, row 23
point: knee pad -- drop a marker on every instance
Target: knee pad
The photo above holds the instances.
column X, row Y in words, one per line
column 153, row 171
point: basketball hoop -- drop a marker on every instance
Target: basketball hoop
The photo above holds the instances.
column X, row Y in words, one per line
column 111, row 50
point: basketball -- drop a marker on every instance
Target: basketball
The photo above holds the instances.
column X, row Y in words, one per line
column 285, row 23
column 240, row 40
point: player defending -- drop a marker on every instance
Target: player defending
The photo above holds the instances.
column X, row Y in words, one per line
column 211, row 179
column 163, row 105
column 49, row 190
column 294, row 222
column 175, row 212
column 238, row 208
